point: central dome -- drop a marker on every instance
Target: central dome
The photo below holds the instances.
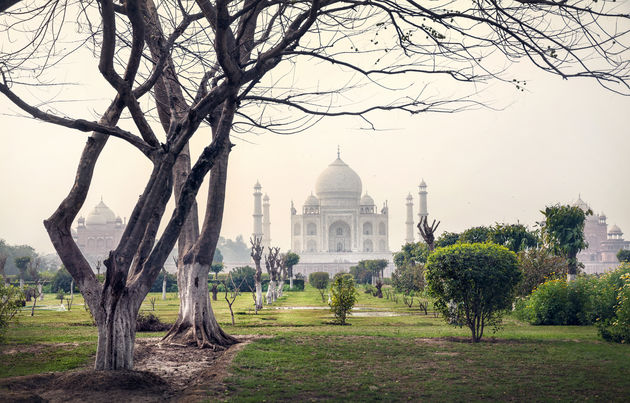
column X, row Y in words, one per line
column 338, row 181
column 100, row 215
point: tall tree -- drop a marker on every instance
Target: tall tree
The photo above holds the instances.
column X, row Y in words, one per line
column 563, row 230
column 208, row 63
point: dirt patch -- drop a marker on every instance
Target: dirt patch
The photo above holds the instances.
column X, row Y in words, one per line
column 35, row 348
column 163, row 373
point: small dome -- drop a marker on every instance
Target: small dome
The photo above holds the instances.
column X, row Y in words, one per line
column 367, row 200
column 581, row 204
column 100, row 215
column 311, row 201
column 615, row 230
column 265, row 197
column 409, row 197
column 257, row 185
column 338, row 180
column 423, row 184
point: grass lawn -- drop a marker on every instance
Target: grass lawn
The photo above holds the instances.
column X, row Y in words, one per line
column 377, row 357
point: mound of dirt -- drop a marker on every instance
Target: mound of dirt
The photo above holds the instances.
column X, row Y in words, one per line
column 162, row 373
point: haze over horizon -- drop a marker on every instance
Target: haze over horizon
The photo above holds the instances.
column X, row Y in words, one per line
column 546, row 145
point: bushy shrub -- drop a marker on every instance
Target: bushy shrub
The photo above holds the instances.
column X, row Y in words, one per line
column 344, row 296
column 612, row 305
column 473, row 284
column 298, row 284
column 556, row 302
column 11, row 300
column 319, row 280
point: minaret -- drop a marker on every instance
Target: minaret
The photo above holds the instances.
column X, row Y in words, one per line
column 266, row 224
column 258, row 215
column 423, row 200
column 409, row 222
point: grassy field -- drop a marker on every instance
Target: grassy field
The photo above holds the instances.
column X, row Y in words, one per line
column 411, row 356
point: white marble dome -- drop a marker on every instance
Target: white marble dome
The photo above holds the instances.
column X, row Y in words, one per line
column 338, row 180
column 367, row 200
column 100, row 215
column 615, row 230
column 311, row 201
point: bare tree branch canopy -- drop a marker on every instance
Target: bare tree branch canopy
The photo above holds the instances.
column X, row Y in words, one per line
column 243, row 65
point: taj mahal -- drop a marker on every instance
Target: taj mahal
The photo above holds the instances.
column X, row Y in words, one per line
column 337, row 226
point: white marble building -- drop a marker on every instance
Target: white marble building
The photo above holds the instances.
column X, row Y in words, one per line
column 98, row 233
column 338, row 226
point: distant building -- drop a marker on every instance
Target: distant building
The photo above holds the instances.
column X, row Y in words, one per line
column 338, row 226
column 99, row 233
column 603, row 243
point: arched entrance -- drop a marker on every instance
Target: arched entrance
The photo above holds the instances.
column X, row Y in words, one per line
column 339, row 237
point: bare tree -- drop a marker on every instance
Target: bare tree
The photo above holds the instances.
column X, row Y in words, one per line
column 272, row 264
column 257, row 254
column 233, row 293
column 207, row 63
column 428, row 232
column 282, row 273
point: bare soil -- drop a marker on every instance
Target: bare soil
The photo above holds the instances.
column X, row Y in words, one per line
column 163, row 373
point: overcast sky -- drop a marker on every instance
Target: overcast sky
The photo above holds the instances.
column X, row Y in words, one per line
column 546, row 145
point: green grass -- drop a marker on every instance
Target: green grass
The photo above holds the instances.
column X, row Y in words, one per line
column 413, row 356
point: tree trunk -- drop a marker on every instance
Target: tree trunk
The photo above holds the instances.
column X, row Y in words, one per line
column 164, row 287
column 72, row 289
column 116, row 334
column 259, row 301
column 39, row 291
column 21, row 284
column 280, row 287
column 196, row 324
column 291, row 283
column 270, row 292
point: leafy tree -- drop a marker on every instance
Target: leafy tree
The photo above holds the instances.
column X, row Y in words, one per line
column 244, row 276
column 319, row 280
column 474, row 283
column 291, row 259
column 623, row 255
column 11, row 300
column 563, row 230
column 411, row 254
column 361, row 274
column 22, row 264
column 515, row 237
column 344, row 296
column 409, row 279
column 171, row 282
column 479, row 234
column 217, row 268
column 539, row 265
column 447, row 239
column 62, row 280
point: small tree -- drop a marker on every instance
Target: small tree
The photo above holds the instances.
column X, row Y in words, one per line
column 623, row 255
column 539, row 265
column 319, row 280
column 563, row 230
column 291, row 260
column 234, row 291
column 11, row 300
column 217, row 268
column 22, row 264
column 344, row 296
column 473, row 282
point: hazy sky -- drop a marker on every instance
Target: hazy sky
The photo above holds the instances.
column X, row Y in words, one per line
column 548, row 144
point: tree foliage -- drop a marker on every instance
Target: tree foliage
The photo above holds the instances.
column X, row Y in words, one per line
column 539, row 265
column 319, row 280
column 515, row 237
column 478, row 234
column 563, row 230
column 409, row 279
column 344, row 296
column 291, row 260
column 623, row 255
column 11, row 300
column 447, row 239
column 474, row 283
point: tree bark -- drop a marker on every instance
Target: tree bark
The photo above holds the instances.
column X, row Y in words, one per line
column 259, row 299
column 116, row 336
column 196, row 324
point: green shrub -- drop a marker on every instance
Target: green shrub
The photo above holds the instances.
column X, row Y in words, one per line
column 319, row 280
column 11, row 300
column 344, row 296
column 612, row 305
column 473, row 284
column 556, row 302
column 298, row 284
